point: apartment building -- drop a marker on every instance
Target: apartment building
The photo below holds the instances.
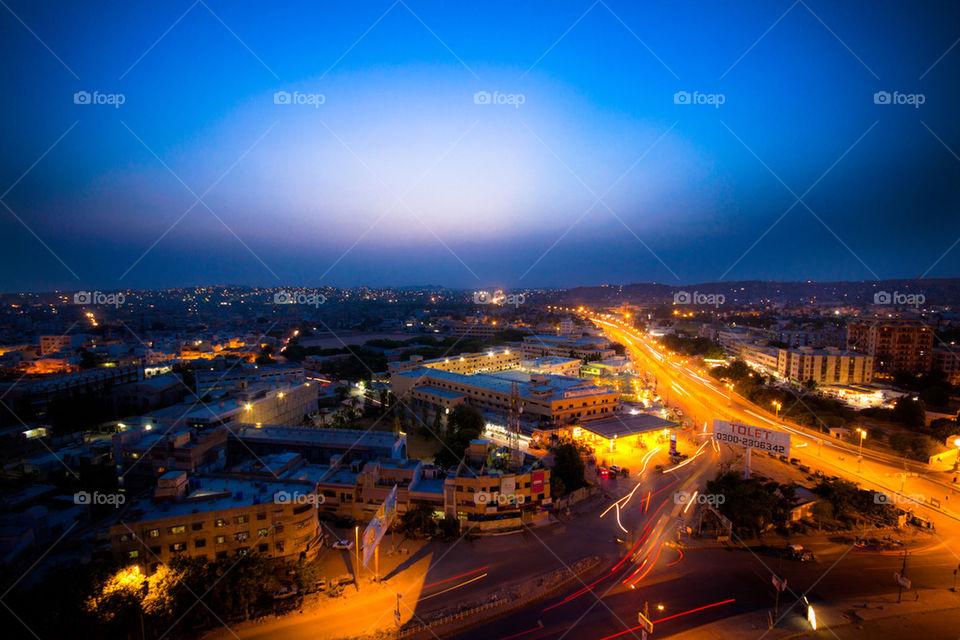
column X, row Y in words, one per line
column 552, row 365
column 217, row 518
column 896, row 345
column 825, row 366
column 948, row 361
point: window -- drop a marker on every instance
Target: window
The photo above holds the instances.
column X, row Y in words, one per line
column 241, row 519
column 221, row 555
column 124, row 537
column 133, row 554
column 180, row 528
column 178, row 546
column 155, row 550
column 278, row 528
column 278, row 546
column 240, row 536
column 220, row 539
column 197, row 526
column 154, row 533
column 219, row 522
column 200, row 543
column 261, row 516
column 262, row 532
column 263, row 548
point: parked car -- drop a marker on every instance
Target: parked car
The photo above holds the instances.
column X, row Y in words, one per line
column 343, row 544
column 797, row 552
column 614, row 468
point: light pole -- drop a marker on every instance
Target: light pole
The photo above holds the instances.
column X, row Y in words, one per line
column 777, row 406
column 863, row 434
column 356, row 575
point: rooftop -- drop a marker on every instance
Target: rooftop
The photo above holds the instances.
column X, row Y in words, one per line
column 626, row 424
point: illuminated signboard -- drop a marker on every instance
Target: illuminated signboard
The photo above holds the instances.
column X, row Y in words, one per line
column 378, row 527
column 757, row 438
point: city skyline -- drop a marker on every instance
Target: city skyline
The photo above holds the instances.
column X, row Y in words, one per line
column 409, row 143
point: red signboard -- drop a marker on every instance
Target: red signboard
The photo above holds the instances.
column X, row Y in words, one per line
column 536, row 482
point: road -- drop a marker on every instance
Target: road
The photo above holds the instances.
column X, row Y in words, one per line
column 704, row 400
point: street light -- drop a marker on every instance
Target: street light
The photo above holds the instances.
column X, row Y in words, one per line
column 777, row 405
column 863, row 434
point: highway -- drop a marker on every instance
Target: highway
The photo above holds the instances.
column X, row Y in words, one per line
column 704, row 400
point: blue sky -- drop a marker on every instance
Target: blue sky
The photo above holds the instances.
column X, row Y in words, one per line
column 403, row 175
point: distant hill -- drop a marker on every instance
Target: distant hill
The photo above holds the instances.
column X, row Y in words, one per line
column 937, row 291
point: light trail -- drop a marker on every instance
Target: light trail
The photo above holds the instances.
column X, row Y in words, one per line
column 462, row 575
column 690, row 501
column 523, row 633
column 632, row 629
column 456, row 586
column 620, row 524
column 680, row 551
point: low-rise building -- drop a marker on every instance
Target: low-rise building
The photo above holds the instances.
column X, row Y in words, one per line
column 552, row 365
column 498, row 359
column 557, row 399
column 218, row 518
column 485, row 493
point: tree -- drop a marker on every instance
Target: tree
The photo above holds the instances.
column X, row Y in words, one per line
column 909, row 412
column 465, row 417
column 418, row 520
column 568, row 467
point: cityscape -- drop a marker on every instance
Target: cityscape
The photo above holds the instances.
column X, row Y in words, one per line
column 410, row 319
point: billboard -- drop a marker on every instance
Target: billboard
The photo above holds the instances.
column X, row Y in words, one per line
column 379, row 525
column 757, row 438
column 536, row 481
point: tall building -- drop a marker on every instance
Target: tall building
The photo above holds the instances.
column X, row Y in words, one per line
column 824, row 366
column 896, row 345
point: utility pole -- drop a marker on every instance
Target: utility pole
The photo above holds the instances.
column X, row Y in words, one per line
column 902, row 577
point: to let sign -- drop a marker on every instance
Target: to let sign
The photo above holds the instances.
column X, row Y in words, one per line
column 758, row 438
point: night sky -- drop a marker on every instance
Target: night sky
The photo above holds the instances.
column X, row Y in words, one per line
column 588, row 165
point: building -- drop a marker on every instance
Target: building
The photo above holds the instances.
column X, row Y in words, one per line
column 896, row 345
column 144, row 452
column 829, row 366
column 586, row 348
column 486, row 494
column 218, row 518
column 557, row 399
column 552, row 365
column 213, row 380
column 148, row 394
column 55, row 344
column 949, row 362
column 497, row 359
column 268, row 401
column 625, row 429
column 316, row 444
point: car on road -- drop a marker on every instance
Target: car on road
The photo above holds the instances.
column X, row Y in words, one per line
column 797, row 552
column 614, row 468
column 343, row 544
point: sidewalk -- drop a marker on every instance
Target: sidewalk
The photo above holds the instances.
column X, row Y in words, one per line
column 934, row 615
